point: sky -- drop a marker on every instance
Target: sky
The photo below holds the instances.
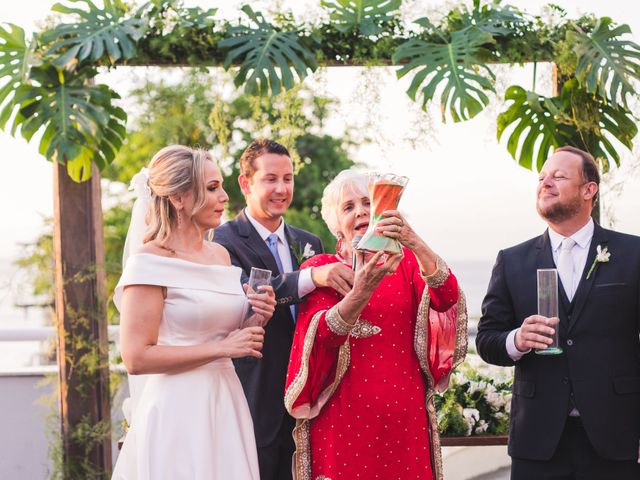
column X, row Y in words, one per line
column 466, row 195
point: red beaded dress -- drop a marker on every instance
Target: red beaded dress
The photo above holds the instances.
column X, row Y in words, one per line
column 362, row 396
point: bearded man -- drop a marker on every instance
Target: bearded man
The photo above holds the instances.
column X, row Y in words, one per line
column 574, row 415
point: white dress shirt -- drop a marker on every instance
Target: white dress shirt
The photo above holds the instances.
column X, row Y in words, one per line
column 579, row 255
column 305, row 283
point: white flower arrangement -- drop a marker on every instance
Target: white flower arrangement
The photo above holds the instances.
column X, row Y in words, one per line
column 477, row 402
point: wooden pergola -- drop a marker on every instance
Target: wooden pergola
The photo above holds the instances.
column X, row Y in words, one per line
column 483, row 36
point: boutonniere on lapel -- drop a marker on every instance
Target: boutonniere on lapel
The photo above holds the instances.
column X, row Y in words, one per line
column 301, row 253
column 602, row 256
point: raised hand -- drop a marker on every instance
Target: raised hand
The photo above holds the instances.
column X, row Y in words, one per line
column 246, row 342
column 334, row 275
column 373, row 271
column 393, row 225
column 535, row 332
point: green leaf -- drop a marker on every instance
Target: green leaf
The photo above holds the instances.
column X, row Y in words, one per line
column 575, row 118
column 591, row 123
column 98, row 33
column 16, row 58
column 535, row 129
column 78, row 120
column 367, row 16
column 493, row 18
column 264, row 52
column 452, row 68
column 606, row 63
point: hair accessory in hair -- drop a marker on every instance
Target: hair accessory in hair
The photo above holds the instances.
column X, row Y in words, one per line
column 140, row 184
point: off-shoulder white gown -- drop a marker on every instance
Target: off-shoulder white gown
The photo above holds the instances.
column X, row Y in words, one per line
column 193, row 425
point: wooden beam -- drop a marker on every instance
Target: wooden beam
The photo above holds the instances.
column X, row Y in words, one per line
column 82, row 326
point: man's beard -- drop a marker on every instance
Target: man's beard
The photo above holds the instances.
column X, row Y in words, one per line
column 560, row 211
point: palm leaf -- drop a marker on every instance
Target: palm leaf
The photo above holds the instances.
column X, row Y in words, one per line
column 606, row 63
column 493, row 18
column 450, row 67
column 99, row 33
column 264, row 52
column 535, row 129
column 591, row 123
column 80, row 125
column 16, row 58
column 367, row 16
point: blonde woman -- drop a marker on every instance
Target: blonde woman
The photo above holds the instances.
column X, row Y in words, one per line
column 181, row 304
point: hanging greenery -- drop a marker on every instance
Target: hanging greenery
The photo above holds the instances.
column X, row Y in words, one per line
column 45, row 81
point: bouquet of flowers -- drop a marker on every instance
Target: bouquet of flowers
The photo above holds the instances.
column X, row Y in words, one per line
column 477, row 402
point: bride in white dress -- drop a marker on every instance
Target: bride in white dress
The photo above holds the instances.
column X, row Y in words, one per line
column 181, row 304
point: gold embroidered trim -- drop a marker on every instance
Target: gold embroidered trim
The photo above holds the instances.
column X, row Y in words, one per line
column 302, row 455
column 301, row 377
column 421, row 342
column 364, row 329
column 336, row 323
column 437, row 278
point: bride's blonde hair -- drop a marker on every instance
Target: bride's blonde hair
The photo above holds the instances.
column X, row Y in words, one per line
column 174, row 170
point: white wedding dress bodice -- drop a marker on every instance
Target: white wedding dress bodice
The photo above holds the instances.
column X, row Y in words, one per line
column 194, row 424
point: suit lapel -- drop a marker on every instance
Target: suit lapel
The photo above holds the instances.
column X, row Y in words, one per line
column 585, row 285
column 294, row 244
column 253, row 240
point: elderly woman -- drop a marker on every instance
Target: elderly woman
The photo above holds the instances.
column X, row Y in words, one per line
column 364, row 367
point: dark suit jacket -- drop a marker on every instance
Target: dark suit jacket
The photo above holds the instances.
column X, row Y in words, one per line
column 263, row 380
column 599, row 371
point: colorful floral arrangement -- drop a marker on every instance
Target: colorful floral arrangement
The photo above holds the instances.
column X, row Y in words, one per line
column 477, row 402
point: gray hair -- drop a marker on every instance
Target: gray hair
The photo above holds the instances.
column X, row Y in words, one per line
column 352, row 180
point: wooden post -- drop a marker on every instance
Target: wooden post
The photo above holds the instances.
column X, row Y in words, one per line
column 82, row 326
column 557, row 88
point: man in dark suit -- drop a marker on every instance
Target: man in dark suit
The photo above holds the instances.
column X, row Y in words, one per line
column 259, row 237
column 575, row 415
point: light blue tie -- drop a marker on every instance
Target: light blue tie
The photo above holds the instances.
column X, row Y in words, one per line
column 272, row 243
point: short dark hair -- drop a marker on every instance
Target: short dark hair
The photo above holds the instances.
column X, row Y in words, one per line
column 590, row 171
column 257, row 148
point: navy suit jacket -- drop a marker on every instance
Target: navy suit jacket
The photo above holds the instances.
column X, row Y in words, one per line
column 263, row 379
column 599, row 371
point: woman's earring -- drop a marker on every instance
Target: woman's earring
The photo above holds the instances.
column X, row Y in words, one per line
column 179, row 218
column 339, row 245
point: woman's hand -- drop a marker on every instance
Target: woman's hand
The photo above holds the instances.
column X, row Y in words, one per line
column 373, row 271
column 394, row 226
column 263, row 303
column 246, row 342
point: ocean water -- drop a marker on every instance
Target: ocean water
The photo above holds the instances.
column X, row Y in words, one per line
column 473, row 277
column 15, row 291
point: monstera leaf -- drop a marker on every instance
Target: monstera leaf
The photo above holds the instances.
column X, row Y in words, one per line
column 80, row 125
column 492, row 17
column 592, row 123
column 99, row 32
column 16, row 58
column 364, row 15
column 265, row 51
column 606, row 63
column 574, row 118
column 536, row 130
column 452, row 67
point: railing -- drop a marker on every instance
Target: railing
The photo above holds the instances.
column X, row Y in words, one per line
column 48, row 333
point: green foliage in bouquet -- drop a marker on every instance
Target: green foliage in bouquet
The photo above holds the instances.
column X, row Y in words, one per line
column 476, row 403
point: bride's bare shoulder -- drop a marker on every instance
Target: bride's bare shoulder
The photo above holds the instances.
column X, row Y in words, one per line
column 221, row 254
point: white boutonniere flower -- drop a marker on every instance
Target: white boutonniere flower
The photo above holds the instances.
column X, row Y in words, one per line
column 602, row 256
column 302, row 254
column 308, row 252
